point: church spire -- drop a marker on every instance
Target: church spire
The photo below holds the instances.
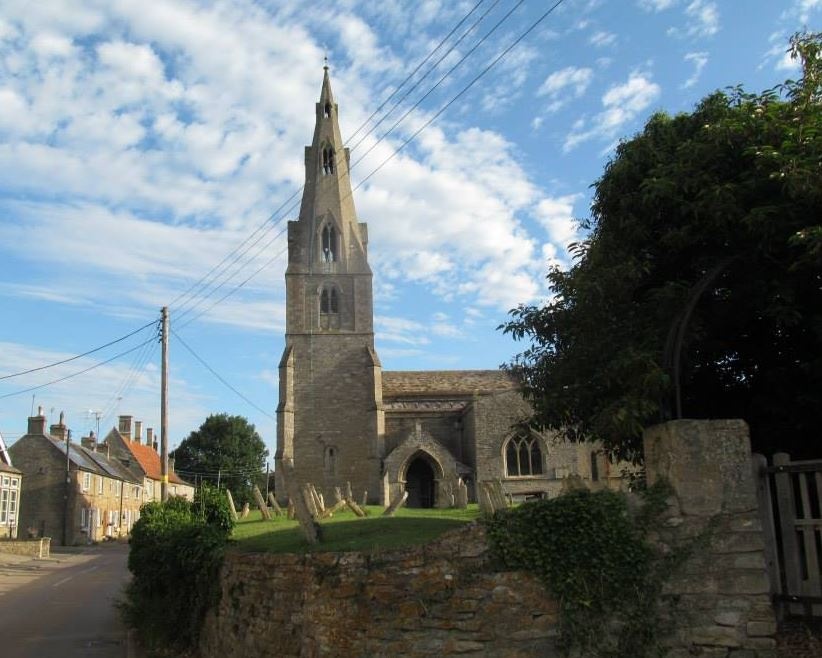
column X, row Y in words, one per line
column 331, row 234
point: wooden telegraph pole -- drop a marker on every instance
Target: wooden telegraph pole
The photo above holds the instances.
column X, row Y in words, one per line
column 164, row 409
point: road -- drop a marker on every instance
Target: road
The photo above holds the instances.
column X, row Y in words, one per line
column 63, row 607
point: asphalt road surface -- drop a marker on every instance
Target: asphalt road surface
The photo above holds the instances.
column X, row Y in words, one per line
column 63, row 607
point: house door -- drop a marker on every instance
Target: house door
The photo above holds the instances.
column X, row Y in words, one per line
column 419, row 483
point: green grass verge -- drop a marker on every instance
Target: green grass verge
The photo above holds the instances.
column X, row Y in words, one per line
column 346, row 532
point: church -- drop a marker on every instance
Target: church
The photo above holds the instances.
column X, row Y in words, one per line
column 341, row 419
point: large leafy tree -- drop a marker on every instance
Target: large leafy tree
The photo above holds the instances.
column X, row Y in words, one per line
column 698, row 289
column 225, row 449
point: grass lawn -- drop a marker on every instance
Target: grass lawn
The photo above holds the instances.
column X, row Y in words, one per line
column 346, row 532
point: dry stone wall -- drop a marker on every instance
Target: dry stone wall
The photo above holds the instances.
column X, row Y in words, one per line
column 437, row 600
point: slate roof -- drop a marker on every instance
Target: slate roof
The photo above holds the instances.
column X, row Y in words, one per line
column 444, row 383
column 89, row 460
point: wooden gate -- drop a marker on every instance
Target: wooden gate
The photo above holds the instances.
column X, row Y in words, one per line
column 790, row 502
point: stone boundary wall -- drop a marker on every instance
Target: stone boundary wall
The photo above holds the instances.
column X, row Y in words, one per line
column 441, row 599
column 722, row 593
column 445, row 598
column 34, row 547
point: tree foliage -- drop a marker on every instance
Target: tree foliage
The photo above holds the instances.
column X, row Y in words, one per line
column 227, row 448
column 707, row 223
column 177, row 550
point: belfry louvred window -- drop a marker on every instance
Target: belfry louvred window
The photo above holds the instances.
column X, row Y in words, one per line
column 329, row 300
column 328, row 160
column 329, row 244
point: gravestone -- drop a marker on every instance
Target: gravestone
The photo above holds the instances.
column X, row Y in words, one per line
column 394, row 506
column 258, row 498
column 231, row 506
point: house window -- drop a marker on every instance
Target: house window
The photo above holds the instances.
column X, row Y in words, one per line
column 523, row 456
column 4, row 506
column 329, row 300
column 136, row 491
column 86, row 481
column 328, row 160
column 329, row 244
column 85, row 518
column 100, row 485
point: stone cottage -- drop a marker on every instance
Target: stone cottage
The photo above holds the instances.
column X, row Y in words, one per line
column 341, row 419
column 125, row 443
column 104, row 498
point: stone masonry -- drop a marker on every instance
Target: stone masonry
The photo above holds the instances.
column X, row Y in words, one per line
column 436, row 600
column 723, row 605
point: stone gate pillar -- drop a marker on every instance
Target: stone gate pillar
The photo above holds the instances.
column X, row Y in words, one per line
column 723, row 588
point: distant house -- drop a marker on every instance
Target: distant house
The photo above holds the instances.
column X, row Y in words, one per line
column 72, row 493
column 10, row 481
column 125, row 443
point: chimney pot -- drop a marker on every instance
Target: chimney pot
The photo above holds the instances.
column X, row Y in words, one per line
column 150, row 437
column 37, row 424
column 138, row 430
column 125, row 426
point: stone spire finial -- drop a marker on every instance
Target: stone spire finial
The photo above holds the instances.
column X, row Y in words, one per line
column 62, row 417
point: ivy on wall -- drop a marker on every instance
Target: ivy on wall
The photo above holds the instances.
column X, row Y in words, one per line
column 591, row 552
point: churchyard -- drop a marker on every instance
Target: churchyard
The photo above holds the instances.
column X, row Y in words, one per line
column 347, row 532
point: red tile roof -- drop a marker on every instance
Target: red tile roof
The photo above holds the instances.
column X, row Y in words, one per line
column 149, row 461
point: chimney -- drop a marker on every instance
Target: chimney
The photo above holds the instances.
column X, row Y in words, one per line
column 89, row 441
column 138, row 430
column 155, row 446
column 37, row 424
column 102, row 447
column 59, row 431
column 149, row 436
column 125, row 426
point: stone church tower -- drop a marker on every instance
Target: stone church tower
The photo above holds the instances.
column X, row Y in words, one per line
column 330, row 420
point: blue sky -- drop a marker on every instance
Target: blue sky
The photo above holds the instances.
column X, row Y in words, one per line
column 140, row 143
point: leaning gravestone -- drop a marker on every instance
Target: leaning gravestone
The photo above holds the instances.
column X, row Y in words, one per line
column 365, row 498
column 274, row 505
column 393, row 507
column 258, row 498
column 231, row 506
column 246, row 510
column 297, row 501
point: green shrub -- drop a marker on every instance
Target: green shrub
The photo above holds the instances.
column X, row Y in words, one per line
column 177, row 550
column 592, row 555
column 211, row 505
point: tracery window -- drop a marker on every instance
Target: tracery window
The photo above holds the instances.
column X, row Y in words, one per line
column 328, row 160
column 523, row 456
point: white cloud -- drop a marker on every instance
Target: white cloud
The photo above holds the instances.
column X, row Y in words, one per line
column 699, row 61
column 556, row 214
column 803, row 9
column 702, row 20
column 656, row 5
column 562, row 86
column 602, row 39
column 622, row 104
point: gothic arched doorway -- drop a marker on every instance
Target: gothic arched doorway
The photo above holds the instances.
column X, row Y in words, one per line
column 419, row 483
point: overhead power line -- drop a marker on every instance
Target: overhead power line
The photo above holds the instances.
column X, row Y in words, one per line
column 243, row 248
column 396, row 150
column 79, row 372
column 79, row 356
column 219, row 377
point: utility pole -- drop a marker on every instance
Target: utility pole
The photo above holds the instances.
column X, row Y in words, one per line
column 164, row 409
column 66, row 509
